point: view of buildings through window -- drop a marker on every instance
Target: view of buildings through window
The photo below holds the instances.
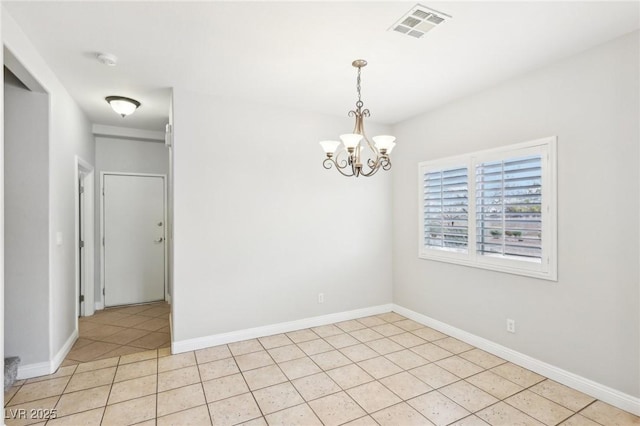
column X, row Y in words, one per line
column 446, row 213
column 508, row 207
column 508, row 203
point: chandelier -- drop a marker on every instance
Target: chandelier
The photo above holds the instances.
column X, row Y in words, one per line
column 357, row 151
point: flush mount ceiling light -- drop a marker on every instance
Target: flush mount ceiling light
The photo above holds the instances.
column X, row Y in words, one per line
column 419, row 20
column 356, row 150
column 121, row 105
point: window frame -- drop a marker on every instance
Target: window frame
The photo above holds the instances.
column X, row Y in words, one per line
column 547, row 267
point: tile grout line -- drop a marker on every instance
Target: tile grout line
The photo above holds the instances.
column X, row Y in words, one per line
column 263, row 415
column 106, row 403
column 62, row 393
column 584, row 408
column 204, row 393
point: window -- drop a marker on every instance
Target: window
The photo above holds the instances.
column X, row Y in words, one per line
column 493, row 209
column 446, row 202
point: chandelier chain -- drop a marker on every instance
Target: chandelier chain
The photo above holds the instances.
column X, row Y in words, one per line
column 359, row 103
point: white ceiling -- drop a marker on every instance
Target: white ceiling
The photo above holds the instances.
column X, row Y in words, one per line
column 298, row 54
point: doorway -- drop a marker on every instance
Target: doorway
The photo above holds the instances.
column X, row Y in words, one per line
column 134, row 238
column 84, row 241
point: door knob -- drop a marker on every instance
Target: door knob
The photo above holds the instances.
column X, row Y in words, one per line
column 159, row 240
column 159, row 223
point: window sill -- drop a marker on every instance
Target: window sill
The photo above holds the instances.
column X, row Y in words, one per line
column 529, row 269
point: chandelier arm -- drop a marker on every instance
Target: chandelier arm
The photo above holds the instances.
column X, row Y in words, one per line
column 373, row 163
column 372, row 172
column 385, row 163
column 346, row 174
column 345, row 161
column 381, row 162
column 371, row 147
column 352, row 169
column 330, row 162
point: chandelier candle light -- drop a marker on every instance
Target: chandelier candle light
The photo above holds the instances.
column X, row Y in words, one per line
column 354, row 144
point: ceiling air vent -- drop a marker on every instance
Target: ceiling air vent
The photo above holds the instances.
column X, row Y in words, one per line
column 419, row 21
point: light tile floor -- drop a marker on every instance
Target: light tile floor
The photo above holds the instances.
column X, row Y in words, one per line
column 378, row 370
column 121, row 331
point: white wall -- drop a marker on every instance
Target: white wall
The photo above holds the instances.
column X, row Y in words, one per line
column 588, row 322
column 261, row 228
column 27, row 221
column 69, row 135
column 124, row 155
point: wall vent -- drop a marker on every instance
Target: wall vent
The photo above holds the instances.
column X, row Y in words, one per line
column 419, row 21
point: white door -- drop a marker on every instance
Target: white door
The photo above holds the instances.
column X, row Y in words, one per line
column 134, row 239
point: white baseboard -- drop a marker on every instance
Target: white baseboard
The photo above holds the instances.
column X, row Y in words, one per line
column 99, row 305
column 64, row 351
column 171, row 330
column 33, row 370
column 609, row 395
column 283, row 327
column 48, row 367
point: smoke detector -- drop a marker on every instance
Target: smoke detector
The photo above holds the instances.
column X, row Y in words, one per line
column 419, row 21
column 107, row 59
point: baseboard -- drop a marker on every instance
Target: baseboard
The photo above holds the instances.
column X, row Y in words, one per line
column 283, row 327
column 48, row 367
column 609, row 395
column 33, row 370
column 99, row 305
column 64, row 351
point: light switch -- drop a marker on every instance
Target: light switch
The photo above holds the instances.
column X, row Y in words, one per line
column 58, row 238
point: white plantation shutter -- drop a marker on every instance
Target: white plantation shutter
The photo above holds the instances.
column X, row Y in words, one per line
column 493, row 209
column 508, row 208
column 445, row 209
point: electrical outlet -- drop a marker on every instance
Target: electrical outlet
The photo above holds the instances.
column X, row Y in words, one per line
column 511, row 325
column 320, row 297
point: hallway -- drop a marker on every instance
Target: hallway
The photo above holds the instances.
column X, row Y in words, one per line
column 121, row 331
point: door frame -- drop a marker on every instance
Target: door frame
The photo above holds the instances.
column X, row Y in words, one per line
column 84, row 286
column 164, row 229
